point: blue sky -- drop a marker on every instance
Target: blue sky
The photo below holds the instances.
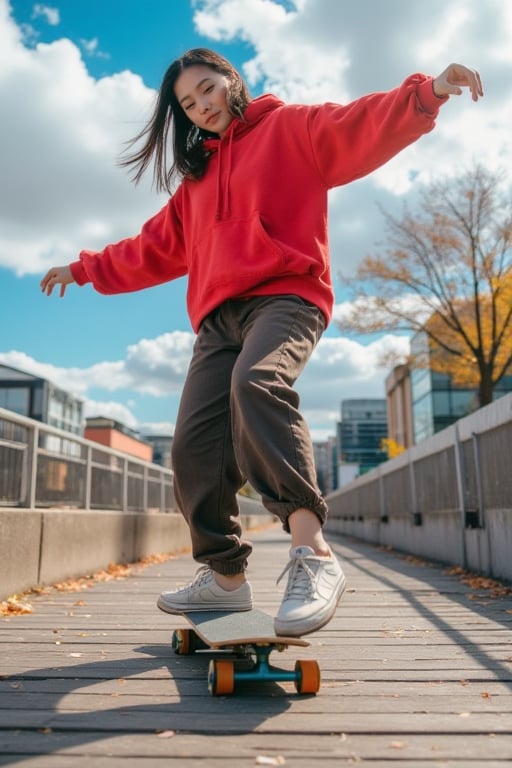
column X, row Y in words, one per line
column 77, row 79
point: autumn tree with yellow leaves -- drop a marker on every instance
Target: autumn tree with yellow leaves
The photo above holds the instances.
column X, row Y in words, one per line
column 446, row 271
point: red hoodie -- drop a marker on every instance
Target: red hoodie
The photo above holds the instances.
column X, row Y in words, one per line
column 256, row 223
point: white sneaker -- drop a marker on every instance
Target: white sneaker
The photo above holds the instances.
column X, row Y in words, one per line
column 315, row 585
column 204, row 594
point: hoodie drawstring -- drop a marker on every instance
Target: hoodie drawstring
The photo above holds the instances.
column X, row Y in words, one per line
column 223, row 202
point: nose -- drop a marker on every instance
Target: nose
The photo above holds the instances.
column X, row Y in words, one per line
column 204, row 106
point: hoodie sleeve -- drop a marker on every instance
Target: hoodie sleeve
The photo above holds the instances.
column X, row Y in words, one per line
column 156, row 255
column 350, row 141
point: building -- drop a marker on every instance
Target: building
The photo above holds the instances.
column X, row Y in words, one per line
column 436, row 401
column 161, row 445
column 115, row 435
column 399, row 406
column 326, row 463
column 39, row 399
column 361, row 431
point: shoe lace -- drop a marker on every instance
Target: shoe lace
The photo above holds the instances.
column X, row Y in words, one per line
column 203, row 574
column 301, row 579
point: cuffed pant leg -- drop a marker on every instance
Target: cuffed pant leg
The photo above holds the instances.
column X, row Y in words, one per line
column 206, row 474
column 272, row 440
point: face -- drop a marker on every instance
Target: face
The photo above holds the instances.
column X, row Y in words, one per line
column 202, row 92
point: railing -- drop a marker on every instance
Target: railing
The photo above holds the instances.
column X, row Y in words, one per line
column 41, row 466
column 449, row 497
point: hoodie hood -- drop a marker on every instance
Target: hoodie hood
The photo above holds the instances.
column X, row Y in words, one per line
column 255, row 112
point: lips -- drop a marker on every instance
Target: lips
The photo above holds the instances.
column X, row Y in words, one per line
column 212, row 118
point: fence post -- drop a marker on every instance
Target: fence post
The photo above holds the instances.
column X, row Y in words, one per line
column 124, row 502
column 33, row 445
column 88, row 477
column 482, row 517
column 459, row 467
column 416, row 516
column 384, row 518
column 145, row 490
column 478, row 479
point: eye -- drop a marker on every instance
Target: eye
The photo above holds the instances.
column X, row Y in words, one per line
column 210, row 88
column 189, row 106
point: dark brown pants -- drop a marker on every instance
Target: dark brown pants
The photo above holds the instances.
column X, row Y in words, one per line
column 239, row 420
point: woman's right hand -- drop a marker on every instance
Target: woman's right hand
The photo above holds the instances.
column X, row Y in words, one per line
column 56, row 276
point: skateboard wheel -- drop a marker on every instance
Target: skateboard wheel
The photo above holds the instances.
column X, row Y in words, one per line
column 307, row 676
column 182, row 641
column 221, row 677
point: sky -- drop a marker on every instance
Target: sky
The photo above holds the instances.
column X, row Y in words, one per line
column 78, row 79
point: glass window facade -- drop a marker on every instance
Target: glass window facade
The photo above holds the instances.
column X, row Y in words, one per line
column 362, row 429
column 436, row 401
column 16, row 399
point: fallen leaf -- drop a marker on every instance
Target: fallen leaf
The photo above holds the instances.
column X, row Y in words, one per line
column 166, row 734
column 15, row 606
column 398, row 744
column 18, row 604
column 264, row 760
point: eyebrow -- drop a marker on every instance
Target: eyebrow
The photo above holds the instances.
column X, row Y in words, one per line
column 200, row 83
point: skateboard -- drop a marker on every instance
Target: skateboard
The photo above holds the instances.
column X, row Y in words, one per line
column 251, row 638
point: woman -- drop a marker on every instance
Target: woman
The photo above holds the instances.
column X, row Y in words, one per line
column 248, row 225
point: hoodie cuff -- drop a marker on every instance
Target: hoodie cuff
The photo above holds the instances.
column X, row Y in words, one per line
column 428, row 100
column 79, row 274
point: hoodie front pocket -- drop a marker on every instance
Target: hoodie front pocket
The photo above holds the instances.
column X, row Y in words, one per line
column 237, row 253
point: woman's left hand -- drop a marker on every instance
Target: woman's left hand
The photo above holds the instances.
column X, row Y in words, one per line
column 456, row 77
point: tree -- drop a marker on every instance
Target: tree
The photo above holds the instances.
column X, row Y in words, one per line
column 446, row 272
column 391, row 447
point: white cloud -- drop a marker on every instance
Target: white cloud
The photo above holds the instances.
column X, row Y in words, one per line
column 338, row 368
column 61, row 136
column 91, row 48
column 51, row 15
column 63, row 131
column 408, row 304
column 326, row 50
column 110, row 409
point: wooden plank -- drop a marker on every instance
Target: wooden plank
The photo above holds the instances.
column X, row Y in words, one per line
column 293, row 747
column 416, row 671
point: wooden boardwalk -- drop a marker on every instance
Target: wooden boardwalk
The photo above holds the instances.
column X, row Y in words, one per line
column 416, row 671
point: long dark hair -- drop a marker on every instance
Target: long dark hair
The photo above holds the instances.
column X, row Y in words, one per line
column 189, row 157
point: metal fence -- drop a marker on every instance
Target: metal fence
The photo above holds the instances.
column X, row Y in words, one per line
column 41, row 466
column 462, row 476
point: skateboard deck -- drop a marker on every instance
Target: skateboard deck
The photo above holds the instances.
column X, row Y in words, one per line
column 250, row 636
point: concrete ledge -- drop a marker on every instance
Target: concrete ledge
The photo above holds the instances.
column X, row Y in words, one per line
column 156, row 533
column 441, row 538
column 42, row 547
column 20, row 540
column 75, row 542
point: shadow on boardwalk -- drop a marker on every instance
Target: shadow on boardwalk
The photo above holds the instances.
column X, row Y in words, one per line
column 416, row 671
column 432, row 579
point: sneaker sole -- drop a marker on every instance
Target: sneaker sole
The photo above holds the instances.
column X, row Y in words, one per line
column 299, row 628
column 204, row 607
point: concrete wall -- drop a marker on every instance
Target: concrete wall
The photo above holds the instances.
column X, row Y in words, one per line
column 442, row 538
column 386, row 508
column 42, row 547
